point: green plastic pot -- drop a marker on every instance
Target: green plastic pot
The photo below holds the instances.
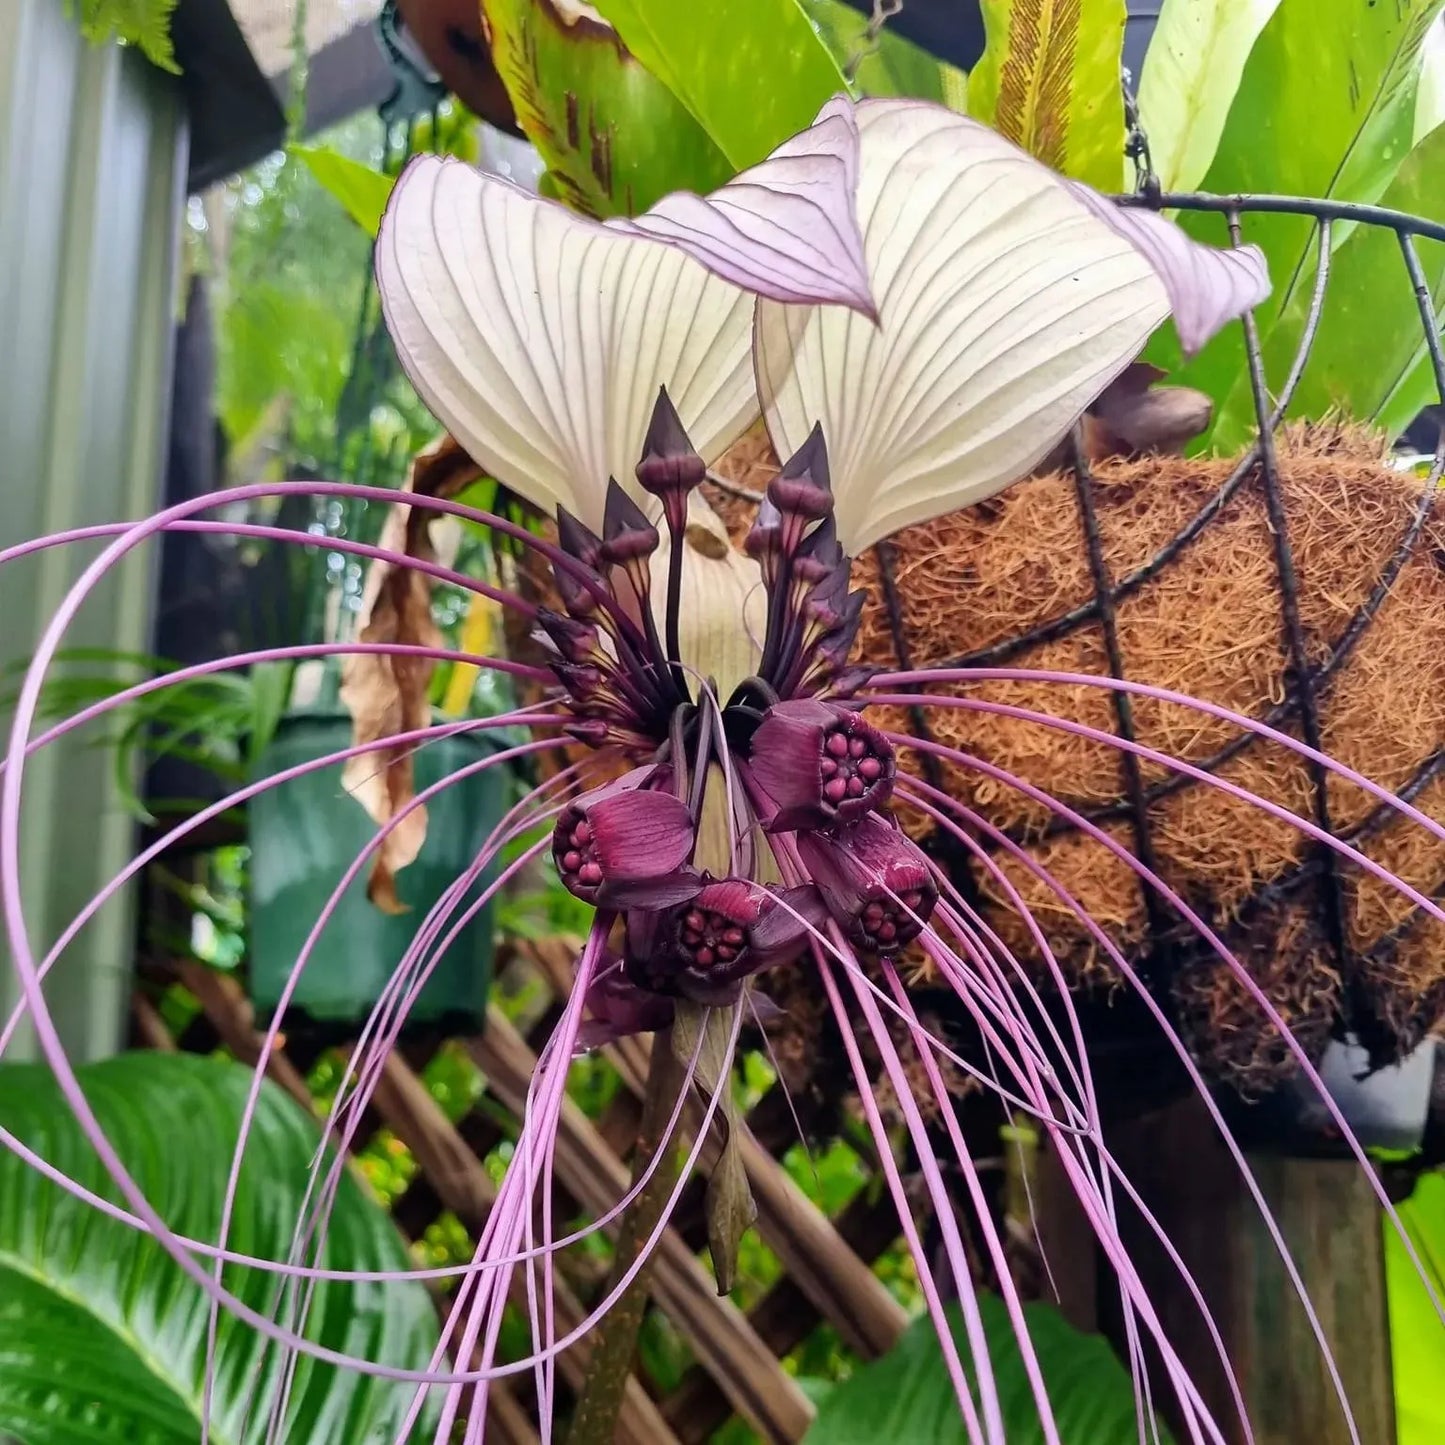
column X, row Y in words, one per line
column 305, row 833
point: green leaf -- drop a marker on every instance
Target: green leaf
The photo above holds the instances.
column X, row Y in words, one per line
column 146, row 24
column 751, row 72
column 614, row 137
column 1430, row 102
column 907, row 1395
column 1417, row 1337
column 1191, row 74
column 104, row 1337
column 891, row 65
column 1370, row 359
column 1048, row 79
column 363, row 191
column 1338, row 127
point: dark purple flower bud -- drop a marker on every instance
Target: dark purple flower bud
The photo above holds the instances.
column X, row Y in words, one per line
column 575, row 640
column 627, row 535
column 803, row 488
column 876, row 882
column 669, row 468
column 619, row 1008
column 578, row 540
column 820, row 554
column 592, row 731
column 764, row 542
column 624, row 833
column 821, row 765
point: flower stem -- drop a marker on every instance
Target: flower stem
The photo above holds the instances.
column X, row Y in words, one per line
column 614, row 1341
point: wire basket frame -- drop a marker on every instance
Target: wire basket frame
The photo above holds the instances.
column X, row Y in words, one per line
column 1166, row 945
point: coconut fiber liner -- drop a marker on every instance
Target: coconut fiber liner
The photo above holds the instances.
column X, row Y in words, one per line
column 1190, row 570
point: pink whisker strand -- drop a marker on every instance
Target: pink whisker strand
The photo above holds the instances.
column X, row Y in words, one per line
column 1098, row 1182
column 518, row 716
column 517, row 822
column 1177, row 1045
column 822, row 940
column 305, row 1235
column 976, row 820
column 893, row 1178
column 147, row 1217
column 487, row 1266
column 153, row 850
column 178, row 518
column 990, row 1427
column 1020, row 1052
column 980, row 944
column 481, row 1306
column 1158, row 694
column 983, row 996
column 1082, row 1075
column 273, row 1029
column 1303, row 825
column 982, row 1213
column 782, row 1084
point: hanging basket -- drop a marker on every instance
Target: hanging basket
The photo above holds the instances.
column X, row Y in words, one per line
column 1301, row 584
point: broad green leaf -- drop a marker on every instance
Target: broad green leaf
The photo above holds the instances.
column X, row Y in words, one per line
column 1049, row 80
column 1191, row 73
column 1430, row 102
column 1369, row 359
column 751, row 72
column 891, row 64
column 103, row 1337
column 363, row 191
column 1339, row 127
column 1417, row 1337
column 614, row 137
column 907, row 1395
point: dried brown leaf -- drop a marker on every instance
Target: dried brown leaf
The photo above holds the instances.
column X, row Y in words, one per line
column 387, row 695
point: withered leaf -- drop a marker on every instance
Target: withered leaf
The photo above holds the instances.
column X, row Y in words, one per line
column 387, row 695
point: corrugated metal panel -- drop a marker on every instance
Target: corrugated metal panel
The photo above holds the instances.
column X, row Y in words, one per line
column 92, row 169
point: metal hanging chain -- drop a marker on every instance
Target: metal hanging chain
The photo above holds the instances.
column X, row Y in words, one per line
column 1136, row 144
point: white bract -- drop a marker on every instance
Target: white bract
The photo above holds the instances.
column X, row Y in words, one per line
column 941, row 303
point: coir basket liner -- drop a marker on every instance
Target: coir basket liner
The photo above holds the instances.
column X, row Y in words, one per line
column 1189, row 570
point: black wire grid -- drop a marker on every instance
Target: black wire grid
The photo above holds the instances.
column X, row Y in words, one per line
column 1166, row 944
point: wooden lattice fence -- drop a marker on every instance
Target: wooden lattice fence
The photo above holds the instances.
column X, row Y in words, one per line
column 827, row 1275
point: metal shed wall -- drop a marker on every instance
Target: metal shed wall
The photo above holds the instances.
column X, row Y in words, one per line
column 92, row 185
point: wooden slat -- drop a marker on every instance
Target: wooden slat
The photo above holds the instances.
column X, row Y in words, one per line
column 466, row 1188
column 230, row 1013
column 149, row 1027
column 828, row 1273
column 718, row 1332
column 783, row 1318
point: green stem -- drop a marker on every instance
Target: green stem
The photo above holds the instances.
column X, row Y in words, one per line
column 614, row 1341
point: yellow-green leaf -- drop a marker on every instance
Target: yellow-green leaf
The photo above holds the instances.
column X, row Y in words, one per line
column 363, row 191
column 1049, row 80
column 751, row 72
column 1191, row 73
column 615, row 138
column 1339, row 127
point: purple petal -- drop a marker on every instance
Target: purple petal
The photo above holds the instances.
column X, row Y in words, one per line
column 786, row 228
column 1206, row 286
column 651, row 894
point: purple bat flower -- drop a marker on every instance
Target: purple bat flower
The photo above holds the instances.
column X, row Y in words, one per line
column 919, row 312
